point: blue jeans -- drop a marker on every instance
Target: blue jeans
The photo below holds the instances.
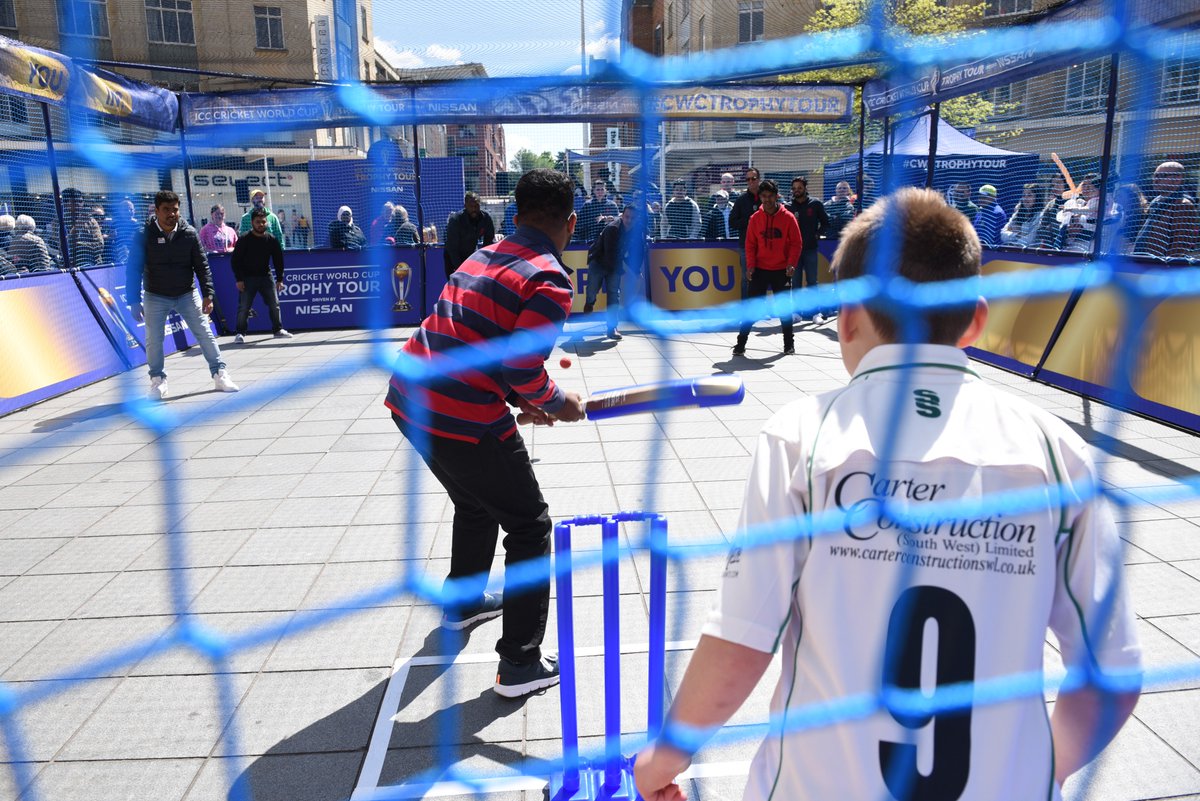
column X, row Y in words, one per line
column 156, row 308
column 808, row 269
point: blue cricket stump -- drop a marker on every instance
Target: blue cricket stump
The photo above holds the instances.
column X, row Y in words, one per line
column 613, row 779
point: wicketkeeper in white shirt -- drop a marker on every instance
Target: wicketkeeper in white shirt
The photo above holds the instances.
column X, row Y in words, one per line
column 923, row 584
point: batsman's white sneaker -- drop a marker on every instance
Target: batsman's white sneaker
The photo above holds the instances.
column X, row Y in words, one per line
column 239, row 340
column 283, row 333
column 158, row 388
column 819, row 319
column 224, row 383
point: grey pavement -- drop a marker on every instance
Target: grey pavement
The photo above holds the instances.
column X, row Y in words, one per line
column 298, row 497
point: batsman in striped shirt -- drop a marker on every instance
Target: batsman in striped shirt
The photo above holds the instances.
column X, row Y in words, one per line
column 461, row 424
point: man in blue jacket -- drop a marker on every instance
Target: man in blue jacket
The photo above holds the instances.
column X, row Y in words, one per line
column 171, row 262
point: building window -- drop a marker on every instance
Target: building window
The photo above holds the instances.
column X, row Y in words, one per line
column 268, row 27
column 1181, row 76
column 362, row 14
column 658, row 39
column 8, row 15
column 1000, row 8
column 1087, row 86
column 750, row 21
column 170, row 22
column 703, row 31
column 750, row 128
column 83, row 18
column 670, row 20
column 1009, row 99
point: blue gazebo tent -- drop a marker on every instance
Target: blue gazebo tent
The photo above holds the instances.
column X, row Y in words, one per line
column 959, row 158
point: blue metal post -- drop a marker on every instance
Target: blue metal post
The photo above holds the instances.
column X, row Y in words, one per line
column 658, row 624
column 566, row 657
column 610, row 554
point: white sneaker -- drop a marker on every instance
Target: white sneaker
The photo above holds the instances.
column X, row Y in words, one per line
column 819, row 319
column 158, row 388
column 239, row 340
column 283, row 333
column 224, row 383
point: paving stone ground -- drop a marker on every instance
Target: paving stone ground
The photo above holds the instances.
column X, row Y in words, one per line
column 297, row 494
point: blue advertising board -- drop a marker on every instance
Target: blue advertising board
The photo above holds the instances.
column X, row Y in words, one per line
column 364, row 185
column 333, row 289
column 106, row 287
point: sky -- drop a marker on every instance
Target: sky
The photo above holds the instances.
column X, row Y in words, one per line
column 510, row 38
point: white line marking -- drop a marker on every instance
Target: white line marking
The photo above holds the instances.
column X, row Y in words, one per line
column 389, row 709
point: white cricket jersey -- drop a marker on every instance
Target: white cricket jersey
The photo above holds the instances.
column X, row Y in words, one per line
column 956, row 598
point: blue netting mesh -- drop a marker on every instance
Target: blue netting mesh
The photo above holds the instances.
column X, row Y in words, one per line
column 1065, row 107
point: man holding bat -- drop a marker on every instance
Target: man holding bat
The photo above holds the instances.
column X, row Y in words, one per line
column 460, row 422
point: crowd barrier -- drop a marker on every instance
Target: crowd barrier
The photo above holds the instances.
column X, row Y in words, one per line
column 75, row 328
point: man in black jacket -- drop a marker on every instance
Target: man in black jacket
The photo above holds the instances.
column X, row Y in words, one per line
column 810, row 215
column 743, row 209
column 466, row 232
column 252, row 258
column 615, row 252
column 172, row 261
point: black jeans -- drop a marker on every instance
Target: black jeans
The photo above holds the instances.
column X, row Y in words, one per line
column 492, row 486
column 777, row 282
column 263, row 285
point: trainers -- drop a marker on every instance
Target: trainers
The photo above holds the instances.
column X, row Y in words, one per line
column 789, row 350
column 490, row 606
column 158, row 388
column 819, row 319
column 514, row 681
column 614, row 335
column 239, row 340
column 223, row 382
column 283, row 333
column 739, row 349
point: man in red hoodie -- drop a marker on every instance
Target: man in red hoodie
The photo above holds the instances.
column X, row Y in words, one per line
column 772, row 252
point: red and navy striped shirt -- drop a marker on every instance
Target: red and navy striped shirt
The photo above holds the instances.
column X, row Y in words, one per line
column 518, row 284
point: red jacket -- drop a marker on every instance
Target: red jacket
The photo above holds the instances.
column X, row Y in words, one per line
column 772, row 241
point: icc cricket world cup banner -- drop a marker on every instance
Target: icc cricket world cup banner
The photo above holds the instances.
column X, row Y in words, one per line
column 333, row 289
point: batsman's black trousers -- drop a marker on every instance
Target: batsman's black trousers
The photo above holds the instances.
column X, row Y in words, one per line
column 492, row 486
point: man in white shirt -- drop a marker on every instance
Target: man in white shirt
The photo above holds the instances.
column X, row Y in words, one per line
column 953, row 595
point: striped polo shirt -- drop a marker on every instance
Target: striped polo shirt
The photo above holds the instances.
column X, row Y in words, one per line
column 516, row 285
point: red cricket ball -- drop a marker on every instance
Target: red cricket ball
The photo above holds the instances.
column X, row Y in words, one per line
column 564, row 362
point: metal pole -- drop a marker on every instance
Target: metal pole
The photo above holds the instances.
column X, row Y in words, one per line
column 267, row 183
column 658, row 625
column 421, row 246
column 566, row 657
column 610, row 554
column 1106, row 155
column 862, row 141
column 187, row 176
column 935, row 116
column 58, row 209
column 885, row 168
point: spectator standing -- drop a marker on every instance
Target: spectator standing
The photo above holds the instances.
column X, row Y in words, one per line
column 1134, row 207
column 253, row 257
column 258, row 200
column 1172, row 227
column 1022, row 227
column 217, row 236
column 508, row 225
column 596, row 213
column 717, row 227
column 772, row 251
column 1049, row 232
column 959, row 198
column 990, row 218
column 302, row 231
column 466, row 231
column 344, row 233
column 402, row 232
column 380, row 225
column 8, row 224
column 731, row 194
column 126, row 227
column 615, row 256
column 813, row 221
column 171, row 264
column 85, row 237
column 467, row 436
column 682, row 214
column 856, row 632
column 743, row 209
column 28, row 251
column 840, row 209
